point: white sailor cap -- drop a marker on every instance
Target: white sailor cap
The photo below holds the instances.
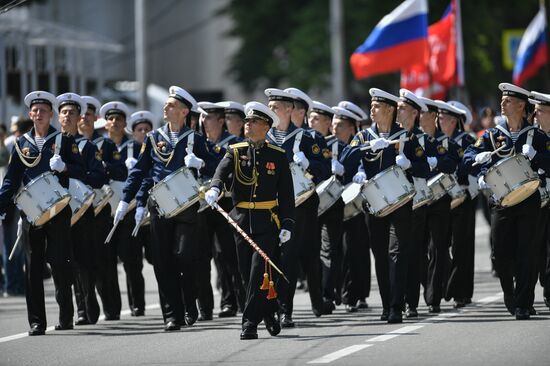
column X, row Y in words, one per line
column 539, row 98
column 432, row 106
column 115, row 107
column 344, row 113
column 92, row 103
column 321, row 108
column 278, row 94
column 446, row 108
column 468, row 118
column 378, row 95
column 261, row 111
column 411, row 99
column 183, row 96
column 514, row 91
column 208, row 107
column 354, row 108
column 301, row 97
column 141, row 117
column 72, row 99
column 100, row 123
column 232, row 107
column 41, row 97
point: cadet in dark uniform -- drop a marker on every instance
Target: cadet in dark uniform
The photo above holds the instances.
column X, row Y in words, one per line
column 513, row 229
column 390, row 236
column 263, row 197
column 37, row 152
column 173, row 240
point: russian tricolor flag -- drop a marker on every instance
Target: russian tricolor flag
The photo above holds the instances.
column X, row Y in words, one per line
column 532, row 51
column 399, row 40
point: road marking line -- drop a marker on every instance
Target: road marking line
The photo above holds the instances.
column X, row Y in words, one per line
column 489, row 299
column 341, row 353
column 49, row 329
column 395, row 333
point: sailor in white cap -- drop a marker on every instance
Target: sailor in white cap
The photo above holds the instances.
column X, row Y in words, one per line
column 302, row 106
column 234, row 117
column 166, row 150
column 513, row 229
column 263, row 193
column 390, row 258
column 303, row 151
column 45, row 150
column 355, row 109
column 86, row 125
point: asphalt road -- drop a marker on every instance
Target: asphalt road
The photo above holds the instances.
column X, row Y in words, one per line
column 480, row 334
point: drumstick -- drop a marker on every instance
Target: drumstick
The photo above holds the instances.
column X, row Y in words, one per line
column 390, row 142
column 18, row 240
column 112, row 231
column 136, row 228
column 492, row 153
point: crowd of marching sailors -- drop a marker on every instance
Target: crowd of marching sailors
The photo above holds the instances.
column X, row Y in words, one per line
column 274, row 194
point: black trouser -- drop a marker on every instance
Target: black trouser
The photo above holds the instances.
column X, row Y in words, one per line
column 513, row 230
column 438, row 240
column 174, row 260
column 252, row 269
column 203, row 287
column 391, row 238
column 545, row 275
column 356, row 266
column 106, row 259
column 84, row 266
column 331, row 224
column 130, row 252
column 460, row 284
column 50, row 243
column 303, row 249
column 539, row 252
column 416, row 269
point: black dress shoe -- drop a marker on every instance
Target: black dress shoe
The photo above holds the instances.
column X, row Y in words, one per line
column 362, row 305
column 227, row 312
column 249, row 333
column 272, row 325
column 350, row 308
column 385, row 315
column 434, row 309
column 411, row 312
column 328, row 307
column 190, row 319
column 396, row 316
column 112, row 317
column 510, row 303
column 61, row 326
column 171, row 326
column 36, row 330
column 459, row 303
column 468, row 300
column 522, row 314
column 81, row 320
column 137, row 312
column 532, row 310
column 205, row 316
column 287, row 322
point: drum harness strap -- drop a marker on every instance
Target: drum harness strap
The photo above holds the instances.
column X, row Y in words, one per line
column 529, row 141
column 379, row 155
column 36, row 160
column 335, row 149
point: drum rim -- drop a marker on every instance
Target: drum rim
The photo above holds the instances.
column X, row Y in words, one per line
column 515, row 188
column 503, row 160
column 392, row 207
column 384, row 172
column 34, row 180
column 64, row 197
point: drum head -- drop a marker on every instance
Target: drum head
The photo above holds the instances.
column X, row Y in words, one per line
column 52, row 211
column 519, row 194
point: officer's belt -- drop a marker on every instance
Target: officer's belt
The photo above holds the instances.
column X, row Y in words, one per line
column 262, row 205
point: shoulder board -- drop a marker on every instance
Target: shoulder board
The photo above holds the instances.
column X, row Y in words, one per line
column 238, row 145
column 276, row 148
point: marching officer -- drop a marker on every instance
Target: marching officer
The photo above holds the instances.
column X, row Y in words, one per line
column 41, row 150
column 263, row 199
column 513, row 229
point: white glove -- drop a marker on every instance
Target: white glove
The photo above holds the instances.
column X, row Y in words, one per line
column 121, row 210
column 528, row 151
column 359, row 178
column 191, row 161
column 432, row 161
column 300, row 158
column 211, row 196
column 57, row 164
column 482, row 184
column 483, row 157
column 379, row 144
column 403, row 161
column 130, row 163
column 284, row 236
column 337, row 168
column 140, row 214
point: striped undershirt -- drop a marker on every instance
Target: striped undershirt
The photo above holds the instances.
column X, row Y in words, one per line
column 279, row 136
column 515, row 136
column 173, row 138
column 39, row 142
column 384, row 135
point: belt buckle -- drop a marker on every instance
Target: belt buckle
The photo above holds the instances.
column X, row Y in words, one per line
column 251, row 205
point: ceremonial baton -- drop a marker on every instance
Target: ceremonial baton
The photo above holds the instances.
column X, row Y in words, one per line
column 248, row 239
column 492, row 153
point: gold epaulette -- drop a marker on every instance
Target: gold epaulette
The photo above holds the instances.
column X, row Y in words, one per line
column 276, row 148
column 239, row 144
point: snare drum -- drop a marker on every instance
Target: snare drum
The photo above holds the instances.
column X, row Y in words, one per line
column 42, row 198
column 102, row 197
column 117, row 187
column 544, row 197
column 441, row 184
column 303, row 186
column 82, row 198
column 457, row 193
column 511, row 180
column 353, row 200
column 329, row 192
column 387, row 191
column 175, row 193
column 423, row 194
